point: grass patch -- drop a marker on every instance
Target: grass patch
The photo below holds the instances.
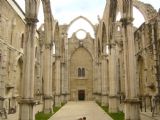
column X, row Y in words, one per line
column 44, row 116
column 115, row 116
column 55, row 109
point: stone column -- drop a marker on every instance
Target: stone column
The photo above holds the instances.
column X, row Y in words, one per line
column 58, row 82
column 27, row 88
column 63, row 84
column 48, row 27
column 104, row 99
column 47, row 69
column 3, row 75
column 67, row 67
column 99, row 82
column 113, row 103
column 96, row 81
column 65, row 72
column 131, row 100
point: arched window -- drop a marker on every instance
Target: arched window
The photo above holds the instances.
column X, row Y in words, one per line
column 83, row 72
column 79, row 72
column 22, row 40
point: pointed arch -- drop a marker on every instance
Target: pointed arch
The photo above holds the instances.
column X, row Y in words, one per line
column 75, row 50
column 81, row 17
column 147, row 10
column 56, row 42
column 55, row 31
column 104, row 36
column 87, row 25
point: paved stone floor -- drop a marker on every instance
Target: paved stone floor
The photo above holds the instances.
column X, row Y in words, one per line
column 75, row 110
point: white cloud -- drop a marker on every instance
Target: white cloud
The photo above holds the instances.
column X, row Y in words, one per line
column 66, row 10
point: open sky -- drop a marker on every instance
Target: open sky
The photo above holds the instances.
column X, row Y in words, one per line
column 66, row 10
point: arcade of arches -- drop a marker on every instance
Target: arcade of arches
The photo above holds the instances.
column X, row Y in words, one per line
column 119, row 66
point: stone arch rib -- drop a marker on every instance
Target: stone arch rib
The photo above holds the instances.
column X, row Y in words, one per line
column 81, row 17
column 147, row 10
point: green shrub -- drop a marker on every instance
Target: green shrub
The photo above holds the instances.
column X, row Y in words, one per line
column 44, row 116
column 115, row 116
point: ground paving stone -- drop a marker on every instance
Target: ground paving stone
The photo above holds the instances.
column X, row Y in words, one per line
column 76, row 110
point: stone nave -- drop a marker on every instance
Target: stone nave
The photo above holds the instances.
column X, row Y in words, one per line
column 43, row 67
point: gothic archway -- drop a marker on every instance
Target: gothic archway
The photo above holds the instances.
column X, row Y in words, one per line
column 81, row 74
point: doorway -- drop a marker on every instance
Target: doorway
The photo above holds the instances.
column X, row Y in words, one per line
column 81, row 95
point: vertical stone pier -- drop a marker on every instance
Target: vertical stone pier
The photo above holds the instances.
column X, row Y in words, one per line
column 48, row 102
column 104, row 99
column 58, row 82
column 27, row 87
column 131, row 100
column 113, row 103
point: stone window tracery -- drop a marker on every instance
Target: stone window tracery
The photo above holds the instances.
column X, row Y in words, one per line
column 81, row 72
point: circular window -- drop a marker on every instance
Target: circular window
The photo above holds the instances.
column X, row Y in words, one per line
column 81, row 35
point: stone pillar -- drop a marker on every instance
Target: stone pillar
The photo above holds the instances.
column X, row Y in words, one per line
column 104, row 99
column 48, row 27
column 65, row 70
column 95, row 77
column 27, row 88
column 131, row 100
column 47, row 69
column 113, row 103
column 99, row 82
column 58, row 82
column 3, row 75
column 66, row 66
column 95, row 89
column 63, row 84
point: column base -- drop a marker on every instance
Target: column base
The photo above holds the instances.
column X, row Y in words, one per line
column 97, row 97
column 48, row 104
column 57, row 100
column 113, row 104
column 26, row 111
column 132, row 109
column 104, row 100
column 64, row 98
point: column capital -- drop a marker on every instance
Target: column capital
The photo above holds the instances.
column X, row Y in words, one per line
column 31, row 20
column 132, row 100
column 113, row 96
column 48, row 46
column 126, row 21
column 47, row 97
column 27, row 101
